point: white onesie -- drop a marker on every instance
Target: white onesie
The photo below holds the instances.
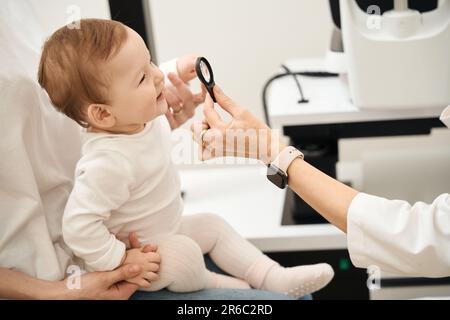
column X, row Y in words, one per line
column 123, row 183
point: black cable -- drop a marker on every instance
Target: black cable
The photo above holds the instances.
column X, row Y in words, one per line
column 302, row 97
column 318, row 74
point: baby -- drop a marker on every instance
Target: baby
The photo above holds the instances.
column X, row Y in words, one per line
column 102, row 77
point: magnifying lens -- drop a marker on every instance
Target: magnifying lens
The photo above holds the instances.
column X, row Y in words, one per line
column 205, row 74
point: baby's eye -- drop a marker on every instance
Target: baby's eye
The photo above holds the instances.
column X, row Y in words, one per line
column 143, row 78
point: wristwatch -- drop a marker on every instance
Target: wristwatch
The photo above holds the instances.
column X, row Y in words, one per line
column 277, row 169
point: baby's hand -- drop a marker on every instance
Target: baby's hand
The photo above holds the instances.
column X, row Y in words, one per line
column 180, row 99
column 186, row 67
column 150, row 265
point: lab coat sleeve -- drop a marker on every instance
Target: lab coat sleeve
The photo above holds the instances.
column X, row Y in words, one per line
column 102, row 184
column 400, row 238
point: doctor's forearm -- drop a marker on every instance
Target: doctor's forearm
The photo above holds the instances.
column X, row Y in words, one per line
column 326, row 195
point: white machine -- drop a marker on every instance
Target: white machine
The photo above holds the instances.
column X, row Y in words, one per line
column 397, row 60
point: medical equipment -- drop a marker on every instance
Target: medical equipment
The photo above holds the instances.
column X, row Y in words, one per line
column 383, row 59
column 398, row 59
column 205, row 75
column 445, row 117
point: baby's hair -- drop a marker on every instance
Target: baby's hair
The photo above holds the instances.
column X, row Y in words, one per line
column 70, row 63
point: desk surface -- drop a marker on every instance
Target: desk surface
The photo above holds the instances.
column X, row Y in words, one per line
column 329, row 101
column 253, row 206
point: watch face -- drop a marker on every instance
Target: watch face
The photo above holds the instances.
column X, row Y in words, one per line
column 277, row 176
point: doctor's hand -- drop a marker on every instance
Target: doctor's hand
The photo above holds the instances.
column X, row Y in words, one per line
column 243, row 136
column 181, row 100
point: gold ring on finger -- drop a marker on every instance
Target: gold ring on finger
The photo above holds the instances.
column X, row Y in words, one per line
column 201, row 137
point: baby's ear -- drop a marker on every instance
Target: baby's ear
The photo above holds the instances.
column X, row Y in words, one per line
column 99, row 116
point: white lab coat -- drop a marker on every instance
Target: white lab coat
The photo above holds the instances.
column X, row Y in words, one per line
column 398, row 237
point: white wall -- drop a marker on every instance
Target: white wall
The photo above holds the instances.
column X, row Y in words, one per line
column 245, row 40
column 53, row 14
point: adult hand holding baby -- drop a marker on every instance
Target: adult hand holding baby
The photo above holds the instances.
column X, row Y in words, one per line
column 145, row 257
column 114, row 284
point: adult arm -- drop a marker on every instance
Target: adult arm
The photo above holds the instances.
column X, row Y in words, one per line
column 391, row 234
column 95, row 285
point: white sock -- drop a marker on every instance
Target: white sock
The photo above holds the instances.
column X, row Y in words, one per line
column 215, row 280
column 298, row 281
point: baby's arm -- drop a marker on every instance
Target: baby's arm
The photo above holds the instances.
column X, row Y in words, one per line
column 102, row 183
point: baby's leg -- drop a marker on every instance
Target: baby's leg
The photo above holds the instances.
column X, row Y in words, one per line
column 240, row 258
column 183, row 269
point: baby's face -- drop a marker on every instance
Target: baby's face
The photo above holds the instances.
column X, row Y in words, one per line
column 135, row 85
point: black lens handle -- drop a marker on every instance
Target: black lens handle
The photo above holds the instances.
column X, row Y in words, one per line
column 209, row 85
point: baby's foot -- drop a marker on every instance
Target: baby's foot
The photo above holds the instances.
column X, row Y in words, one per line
column 298, row 281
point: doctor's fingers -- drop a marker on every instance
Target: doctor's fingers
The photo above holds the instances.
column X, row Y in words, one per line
column 209, row 152
column 213, row 145
column 227, row 103
column 206, row 153
column 198, row 129
column 211, row 116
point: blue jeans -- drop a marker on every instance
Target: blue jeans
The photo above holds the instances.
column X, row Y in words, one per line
column 214, row 294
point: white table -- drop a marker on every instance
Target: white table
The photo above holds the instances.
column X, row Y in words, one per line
column 253, row 206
